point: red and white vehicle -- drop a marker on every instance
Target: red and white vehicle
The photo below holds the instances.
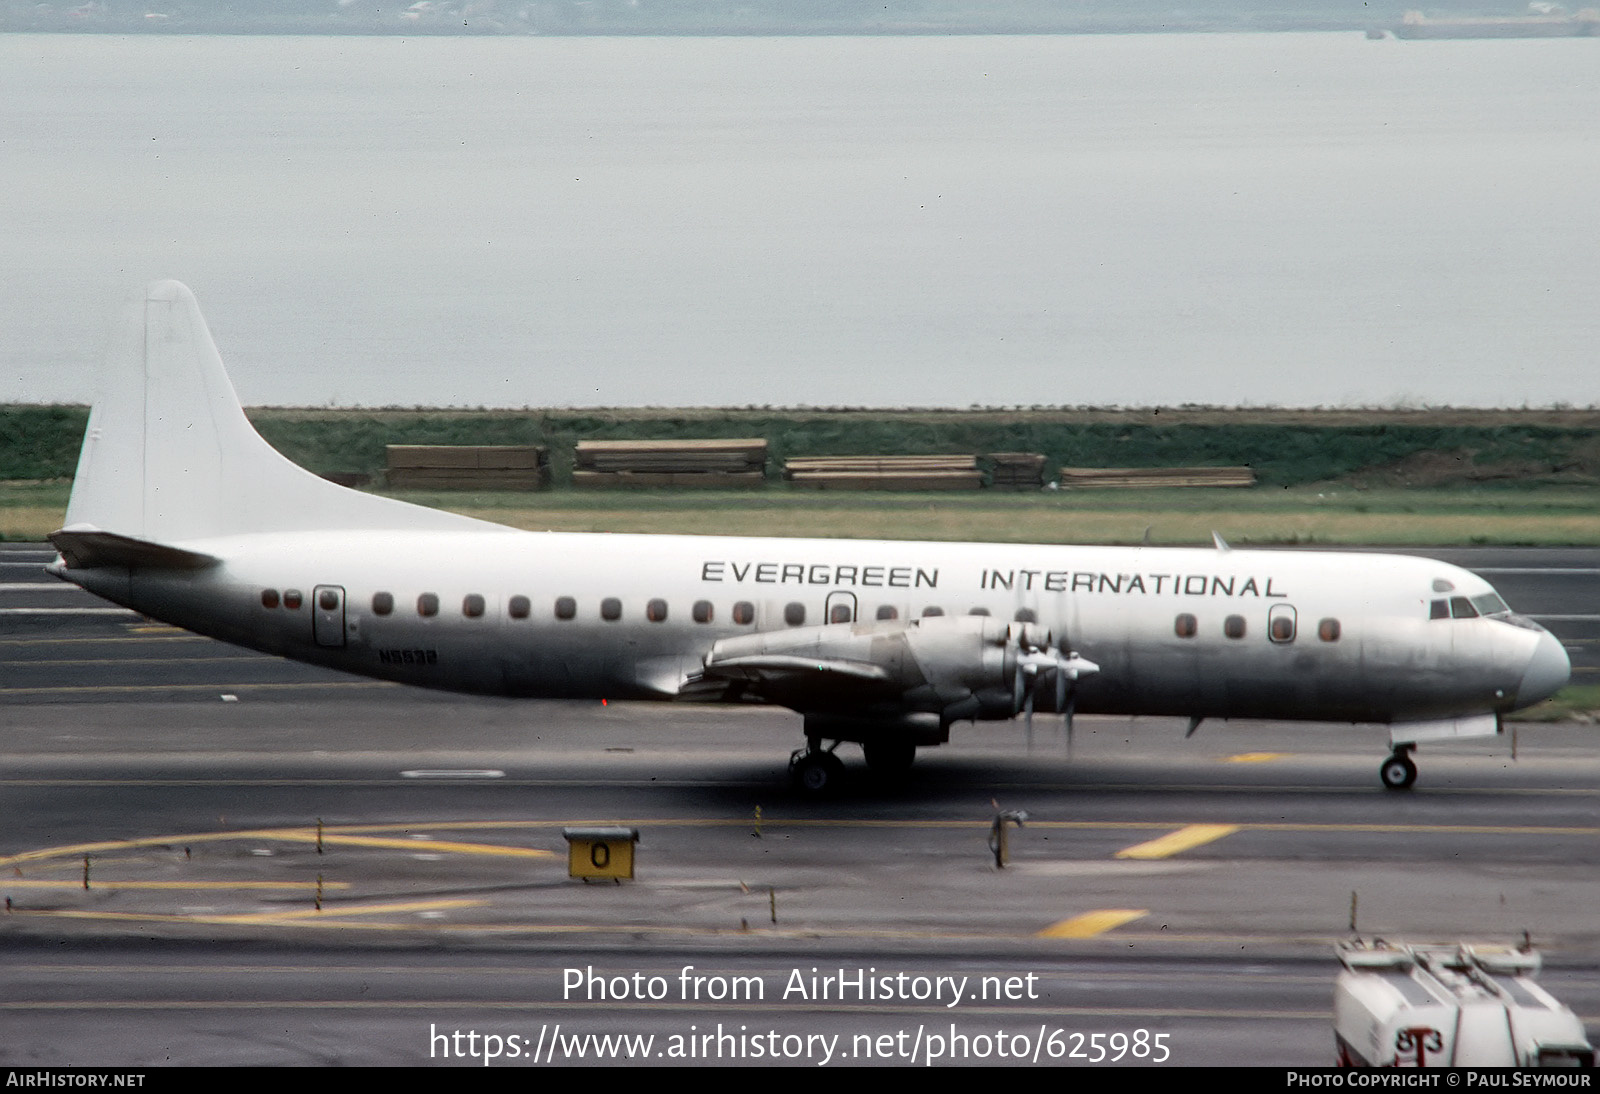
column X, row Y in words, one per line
column 1455, row 1005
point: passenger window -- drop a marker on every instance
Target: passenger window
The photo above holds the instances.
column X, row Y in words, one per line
column 1439, row 609
column 518, row 607
column 656, row 610
column 1461, row 608
column 566, row 607
column 1328, row 630
column 1281, row 624
column 611, row 609
column 328, row 601
column 1026, row 615
column 1186, row 626
column 269, row 598
column 930, row 610
column 702, row 611
column 427, row 604
column 794, row 613
column 291, row 599
column 888, row 611
column 472, row 606
column 744, row 612
column 1233, row 626
column 382, row 603
column 979, row 611
column 840, row 614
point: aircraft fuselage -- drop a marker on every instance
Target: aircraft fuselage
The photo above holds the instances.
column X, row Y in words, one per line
column 1275, row 634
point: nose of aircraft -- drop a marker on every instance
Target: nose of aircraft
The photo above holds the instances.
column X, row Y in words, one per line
column 1547, row 672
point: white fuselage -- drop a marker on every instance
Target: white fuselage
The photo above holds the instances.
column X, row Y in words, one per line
column 1215, row 633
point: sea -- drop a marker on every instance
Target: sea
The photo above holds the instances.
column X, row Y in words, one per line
column 1096, row 220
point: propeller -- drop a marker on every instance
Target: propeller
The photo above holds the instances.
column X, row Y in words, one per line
column 1039, row 660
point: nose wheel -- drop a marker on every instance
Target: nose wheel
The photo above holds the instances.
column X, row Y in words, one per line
column 1398, row 772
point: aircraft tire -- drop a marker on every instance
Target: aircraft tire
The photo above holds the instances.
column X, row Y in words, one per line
column 817, row 774
column 1398, row 772
column 889, row 759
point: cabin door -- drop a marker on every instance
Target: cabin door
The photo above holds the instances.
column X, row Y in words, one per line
column 327, row 615
column 841, row 608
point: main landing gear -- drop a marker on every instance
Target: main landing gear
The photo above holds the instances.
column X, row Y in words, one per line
column 1398, row 772
column 815, row 770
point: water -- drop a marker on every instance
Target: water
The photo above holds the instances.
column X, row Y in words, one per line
column 1307, row 219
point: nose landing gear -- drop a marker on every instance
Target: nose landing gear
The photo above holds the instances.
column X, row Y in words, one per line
column 1398, row 772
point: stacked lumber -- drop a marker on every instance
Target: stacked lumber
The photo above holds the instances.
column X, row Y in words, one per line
column 1017, row 470
column 885, row 472
column 1157, row 476
column 738, row 464
column 468, row 467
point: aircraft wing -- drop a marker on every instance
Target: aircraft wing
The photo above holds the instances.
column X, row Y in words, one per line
column 794, row 681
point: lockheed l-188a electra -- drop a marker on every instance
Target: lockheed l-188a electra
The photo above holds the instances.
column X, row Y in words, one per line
column 182, row 512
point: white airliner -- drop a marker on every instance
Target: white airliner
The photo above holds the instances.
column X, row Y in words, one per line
column 182, row 512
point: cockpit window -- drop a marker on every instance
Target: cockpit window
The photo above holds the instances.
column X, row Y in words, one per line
column 1461, row 608
column 1490, row 604
column 1439, row 609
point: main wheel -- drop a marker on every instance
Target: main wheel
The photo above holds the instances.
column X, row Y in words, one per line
column 1398, row 772
column 889, row 759
column 816, row 773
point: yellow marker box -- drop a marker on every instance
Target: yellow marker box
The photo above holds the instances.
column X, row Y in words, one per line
column 600, row 852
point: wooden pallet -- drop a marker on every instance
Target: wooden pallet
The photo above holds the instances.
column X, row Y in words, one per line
column 694, row 480
column 468, row 467
column 667, row 457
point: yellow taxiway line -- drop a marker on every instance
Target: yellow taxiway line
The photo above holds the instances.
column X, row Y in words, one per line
column 1184, row 839
column 342, row 836
column 1092, row 924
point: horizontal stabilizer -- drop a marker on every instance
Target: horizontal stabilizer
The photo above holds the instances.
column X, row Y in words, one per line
column 90, row 548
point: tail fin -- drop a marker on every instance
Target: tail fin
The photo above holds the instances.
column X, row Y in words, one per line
column 169, row 455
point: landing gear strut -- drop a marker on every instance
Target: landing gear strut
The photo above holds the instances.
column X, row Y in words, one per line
column 816, row 771
column 1398, row 772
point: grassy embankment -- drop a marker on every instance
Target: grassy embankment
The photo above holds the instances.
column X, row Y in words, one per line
column 1336, row 477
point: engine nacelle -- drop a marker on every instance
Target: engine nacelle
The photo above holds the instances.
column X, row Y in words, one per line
column 956, row 666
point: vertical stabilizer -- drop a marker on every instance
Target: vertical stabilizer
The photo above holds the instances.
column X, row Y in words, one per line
column 170, row 456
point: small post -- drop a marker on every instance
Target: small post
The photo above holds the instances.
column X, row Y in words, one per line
column 319, row 835
column 772, row 903
column 319, row 892
column 998, row 842
column 757, row 832
column 1352, row 911
column 86, row 873
column 1513, row 744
